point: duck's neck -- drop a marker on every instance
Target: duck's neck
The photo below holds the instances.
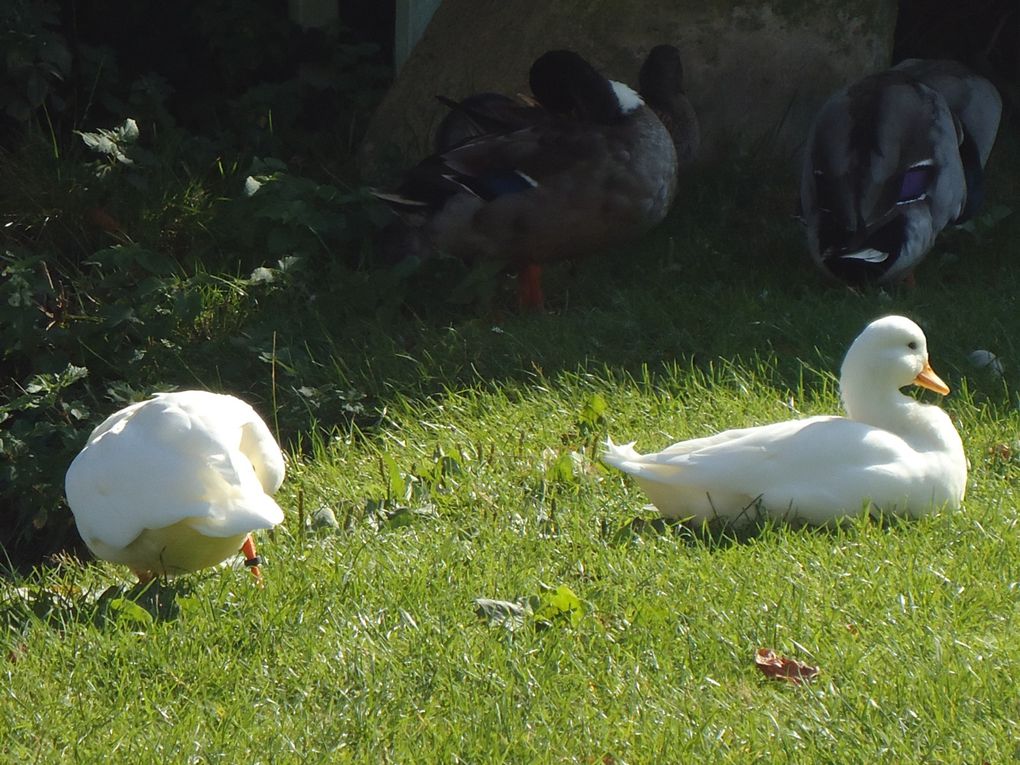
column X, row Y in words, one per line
column 680, row 120
column 881, row 411
column 921, row 425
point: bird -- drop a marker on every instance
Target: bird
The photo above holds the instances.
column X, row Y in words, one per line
column 892, row 160
column 890, row 452
column 588, row 165
column 661, row 85
column 176, row 483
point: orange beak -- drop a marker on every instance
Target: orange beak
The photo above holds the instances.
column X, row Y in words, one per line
column 928, row 379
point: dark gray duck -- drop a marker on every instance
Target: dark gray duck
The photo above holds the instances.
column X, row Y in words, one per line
column 590, row 165
column 891, row 161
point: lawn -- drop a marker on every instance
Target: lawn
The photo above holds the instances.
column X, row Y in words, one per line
column 457, row 445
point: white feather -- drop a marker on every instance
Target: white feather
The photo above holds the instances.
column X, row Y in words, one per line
column 627, row 97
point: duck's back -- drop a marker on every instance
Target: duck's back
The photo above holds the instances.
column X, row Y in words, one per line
column 582, row 189
column 814, row 469
column 189, row 457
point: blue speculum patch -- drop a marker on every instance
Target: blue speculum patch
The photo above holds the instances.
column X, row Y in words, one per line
column 915, row 183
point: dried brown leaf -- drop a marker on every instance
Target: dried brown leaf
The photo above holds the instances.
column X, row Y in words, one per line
column 777, row 667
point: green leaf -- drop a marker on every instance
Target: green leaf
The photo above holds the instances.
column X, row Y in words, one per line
column 129, row 610
column 561, row 470
column 594, row 411
column 154, row 262
column 559, row 605
column 396, row 486
column 99, row 141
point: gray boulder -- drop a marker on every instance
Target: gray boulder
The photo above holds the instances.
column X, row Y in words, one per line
column 755, row 72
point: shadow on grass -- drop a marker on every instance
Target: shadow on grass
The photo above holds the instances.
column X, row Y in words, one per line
column 62, row 603
column 753, row 524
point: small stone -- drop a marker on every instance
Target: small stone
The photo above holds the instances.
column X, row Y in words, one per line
column 983, row 359
column 324, row 518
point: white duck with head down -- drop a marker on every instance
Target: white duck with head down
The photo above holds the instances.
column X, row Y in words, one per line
column 890, row 452
column 176, row 483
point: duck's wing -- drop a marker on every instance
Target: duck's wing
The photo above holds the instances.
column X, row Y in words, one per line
column 817, row 465
column 493, row 166
column 159, row 464
column 976, row 107
column 236, row 459
column 482, row 114
column 236, row 426
column 882, row 177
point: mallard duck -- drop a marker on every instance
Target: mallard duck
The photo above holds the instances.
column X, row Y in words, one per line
column 661, row 85
column 890, row 452
column 890, row 162
column 592, row 166
column 176, row 483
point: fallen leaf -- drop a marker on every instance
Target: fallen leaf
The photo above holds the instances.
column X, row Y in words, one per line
column 502, row 613
column 783, row 668
column 1002, row 452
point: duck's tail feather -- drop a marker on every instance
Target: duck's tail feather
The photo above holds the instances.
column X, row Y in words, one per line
column 618, row 455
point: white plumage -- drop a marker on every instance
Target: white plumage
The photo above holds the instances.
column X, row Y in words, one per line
column 175, row 483
column 891, row 451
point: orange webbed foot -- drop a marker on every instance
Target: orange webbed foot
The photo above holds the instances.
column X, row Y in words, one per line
column 529, row 288
column 251, row 558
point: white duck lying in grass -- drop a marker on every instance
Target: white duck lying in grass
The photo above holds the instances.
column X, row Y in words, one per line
column 176, row 483
column 890, row 451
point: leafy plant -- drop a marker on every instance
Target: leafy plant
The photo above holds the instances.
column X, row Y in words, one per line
column 119, row 149
column 35, row 57
column 551, row 606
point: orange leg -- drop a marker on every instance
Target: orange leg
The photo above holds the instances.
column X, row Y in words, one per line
column 251, row 558
column 529, row 287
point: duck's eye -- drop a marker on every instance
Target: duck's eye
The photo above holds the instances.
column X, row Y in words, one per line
column 912, row 345
column 914, row 185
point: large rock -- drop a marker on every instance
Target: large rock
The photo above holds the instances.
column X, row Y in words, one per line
column 756, row 72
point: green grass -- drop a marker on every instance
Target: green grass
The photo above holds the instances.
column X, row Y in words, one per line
column 364, row 644
column 465, row 466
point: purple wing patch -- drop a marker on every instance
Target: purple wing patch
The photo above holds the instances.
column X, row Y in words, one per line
column 915, row 183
